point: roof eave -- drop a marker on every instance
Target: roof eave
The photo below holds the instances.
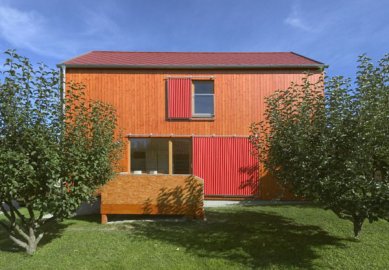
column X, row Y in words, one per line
column 102, row 66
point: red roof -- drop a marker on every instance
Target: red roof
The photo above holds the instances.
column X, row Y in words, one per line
column 191, row 60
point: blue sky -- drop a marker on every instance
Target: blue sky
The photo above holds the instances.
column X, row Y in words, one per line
column 333, row 32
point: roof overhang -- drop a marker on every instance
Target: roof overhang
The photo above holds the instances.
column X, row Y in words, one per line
column 103, row 66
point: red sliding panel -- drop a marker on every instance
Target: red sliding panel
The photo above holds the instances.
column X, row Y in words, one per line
column 226, row 165
column 179, row 98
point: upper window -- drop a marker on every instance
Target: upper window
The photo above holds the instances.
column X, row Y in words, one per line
column 203, row 99
column 187, row 98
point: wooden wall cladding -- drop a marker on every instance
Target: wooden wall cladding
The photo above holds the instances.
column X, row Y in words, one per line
column 140, row 97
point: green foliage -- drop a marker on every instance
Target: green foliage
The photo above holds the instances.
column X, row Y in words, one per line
column 50, row 161
column 332, row 148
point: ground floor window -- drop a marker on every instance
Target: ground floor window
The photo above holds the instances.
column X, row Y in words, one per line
column 149, row 156
column 182, row 156
column 161, row 155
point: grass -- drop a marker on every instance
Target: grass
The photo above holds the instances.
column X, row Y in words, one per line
column 239, row 237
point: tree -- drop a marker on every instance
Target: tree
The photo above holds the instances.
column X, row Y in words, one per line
column 50, row 161
column 332, row 146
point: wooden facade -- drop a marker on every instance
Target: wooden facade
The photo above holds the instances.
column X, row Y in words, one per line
column 139, row 97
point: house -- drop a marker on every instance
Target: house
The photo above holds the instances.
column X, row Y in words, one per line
column 186, row 113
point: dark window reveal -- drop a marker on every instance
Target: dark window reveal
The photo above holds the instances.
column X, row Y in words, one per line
column 182, row 156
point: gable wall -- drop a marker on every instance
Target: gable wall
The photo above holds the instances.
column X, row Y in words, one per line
column 139, row 97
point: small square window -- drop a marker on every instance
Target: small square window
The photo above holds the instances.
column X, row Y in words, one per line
column 203, row 99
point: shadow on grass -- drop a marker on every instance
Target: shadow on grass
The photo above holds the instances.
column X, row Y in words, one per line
column 52, row 230
column 253, row 239
column 94, row 218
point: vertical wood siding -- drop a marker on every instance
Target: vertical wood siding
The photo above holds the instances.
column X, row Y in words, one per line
column 139, row 97
column 179, row 98
column 226, row 165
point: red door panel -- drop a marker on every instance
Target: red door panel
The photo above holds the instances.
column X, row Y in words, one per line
column 226, row 165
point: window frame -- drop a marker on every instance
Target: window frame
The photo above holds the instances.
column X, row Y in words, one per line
column 157, row 151
column 169, row 141
column 202, row 115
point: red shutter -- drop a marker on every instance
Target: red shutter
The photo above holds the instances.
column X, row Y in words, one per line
column 179, row 98
column 226, row 165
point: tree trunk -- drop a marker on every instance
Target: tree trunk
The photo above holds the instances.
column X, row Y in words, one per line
column 31, row 241
column 31, row 247
column 357, row 222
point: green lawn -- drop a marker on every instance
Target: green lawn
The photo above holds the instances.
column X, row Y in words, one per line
column 239, row 237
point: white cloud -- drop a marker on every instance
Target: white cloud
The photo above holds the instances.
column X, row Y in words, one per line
column 32, row 31
column 294, row 19
column 21, row 29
